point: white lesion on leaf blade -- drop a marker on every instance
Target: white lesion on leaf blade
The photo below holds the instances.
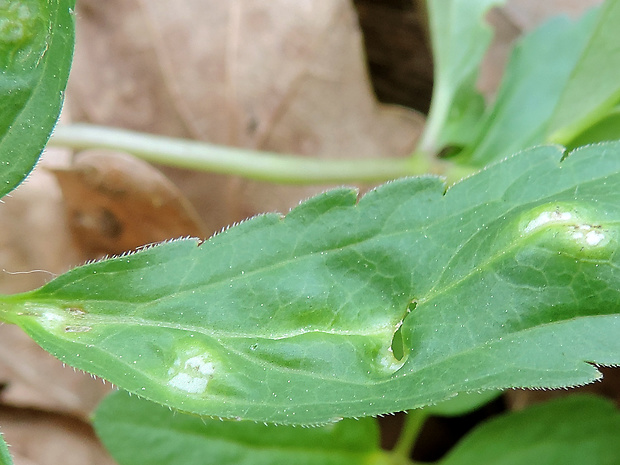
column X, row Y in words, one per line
column 58, row 319
column 592, row 235
column 191, row 372
column 547, row 217
column 576, row 223
column 191, row 384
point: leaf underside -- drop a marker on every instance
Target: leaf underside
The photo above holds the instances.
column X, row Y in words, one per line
column 509, row 279
column 36, row 49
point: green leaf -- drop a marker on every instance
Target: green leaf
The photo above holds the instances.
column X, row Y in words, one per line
column 605, row 130
column 459, row 37
column 538, row 70
column 5, row 457
column 36, row 48
column 462, row 404
column 136, row 431
column 593, row 88
column 509, row 279
column 579, row 430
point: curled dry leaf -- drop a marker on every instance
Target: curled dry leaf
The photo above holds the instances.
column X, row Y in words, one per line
column 116, row 203
column 273, row 75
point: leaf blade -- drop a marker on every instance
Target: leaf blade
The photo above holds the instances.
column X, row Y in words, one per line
column 536, row 76
column 5, row 456
column 592, row 90
column 136, row 431
column 573, row 430
column 36, row 48
column 292, row 319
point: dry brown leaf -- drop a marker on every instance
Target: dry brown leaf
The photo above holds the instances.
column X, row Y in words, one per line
column 39, row 438
column 33, row 378
column 275, row 75
column 116, row 203
column 34, row 235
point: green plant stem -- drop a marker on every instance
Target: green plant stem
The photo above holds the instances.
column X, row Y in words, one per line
column 440, row 99
column 436, row 120
column 411, row 429
column 263, row 166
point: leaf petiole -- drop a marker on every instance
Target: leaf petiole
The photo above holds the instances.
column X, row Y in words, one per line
column 411, row 429
column 262, row 166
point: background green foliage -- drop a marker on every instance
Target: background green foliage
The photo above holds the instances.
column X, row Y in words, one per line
column 141, row 432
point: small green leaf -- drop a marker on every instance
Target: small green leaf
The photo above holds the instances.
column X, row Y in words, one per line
column 459, row 37
column 36, row 48
column 593, row 88
column 137, row 432
column 509, row 279
column 605, row 130
column 576, row 430
column 5, row 457
column 538, row 70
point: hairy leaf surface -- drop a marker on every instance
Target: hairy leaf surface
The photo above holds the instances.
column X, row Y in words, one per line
column 36, row 47
column 136, row 431
column 576, row 430
column 347, row 309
